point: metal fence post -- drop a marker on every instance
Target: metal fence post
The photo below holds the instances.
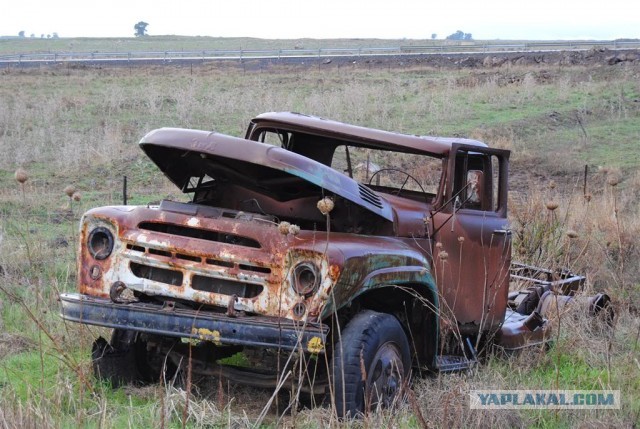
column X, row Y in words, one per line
column 124, row 190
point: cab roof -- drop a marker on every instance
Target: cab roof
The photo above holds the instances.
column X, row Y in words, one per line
column 368, row 137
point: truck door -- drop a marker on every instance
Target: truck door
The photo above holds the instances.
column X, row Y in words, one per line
column 472, row 251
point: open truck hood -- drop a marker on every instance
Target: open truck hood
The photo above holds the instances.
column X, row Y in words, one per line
column 182, row 154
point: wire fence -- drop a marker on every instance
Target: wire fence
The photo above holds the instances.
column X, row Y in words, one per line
column 218, row 54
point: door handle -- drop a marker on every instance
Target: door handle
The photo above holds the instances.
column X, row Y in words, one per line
column 502, row 231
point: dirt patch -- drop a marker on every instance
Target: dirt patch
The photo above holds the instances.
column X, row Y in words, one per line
column 11, row 344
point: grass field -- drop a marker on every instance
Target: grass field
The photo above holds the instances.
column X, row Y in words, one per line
column 80, row 127
column 184, row 43
column 26, row 45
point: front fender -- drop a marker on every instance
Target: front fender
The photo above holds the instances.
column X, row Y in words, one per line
column 398, row 288
column 351, row 285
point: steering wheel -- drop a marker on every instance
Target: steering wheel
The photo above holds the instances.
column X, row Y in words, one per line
column 409, row 176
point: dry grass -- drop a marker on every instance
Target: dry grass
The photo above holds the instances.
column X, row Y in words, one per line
column 594, row 233
column 75, row 118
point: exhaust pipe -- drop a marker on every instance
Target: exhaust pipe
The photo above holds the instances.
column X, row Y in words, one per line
column 598, row 306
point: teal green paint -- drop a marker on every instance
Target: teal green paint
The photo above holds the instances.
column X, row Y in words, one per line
column 382, row 270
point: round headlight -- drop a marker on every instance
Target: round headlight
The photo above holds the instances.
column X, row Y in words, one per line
column 100, row 243
column 306, row 278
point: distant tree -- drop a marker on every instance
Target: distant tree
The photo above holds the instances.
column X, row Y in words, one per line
column 42, row 36
column 434, row 36
column 141, row 29
column 48, row 36
column 458, row 35
column 21, row 34
column 32, row 35
column 55, row 35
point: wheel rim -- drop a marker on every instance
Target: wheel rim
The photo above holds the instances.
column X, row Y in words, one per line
column 385, row 376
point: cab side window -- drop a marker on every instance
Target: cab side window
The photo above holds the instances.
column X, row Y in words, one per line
column 476, row 182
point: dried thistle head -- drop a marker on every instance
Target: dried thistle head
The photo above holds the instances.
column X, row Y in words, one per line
column 613, row 180
column 587, row 197
column 21, row 176
column 325, row 205
column 552, row 185
column 439, row 245
column 294, row 229
column 69, row 190
column 461, row 239
column 443, row 255
column 551, row 205
column 283, row 227
column 76, row 196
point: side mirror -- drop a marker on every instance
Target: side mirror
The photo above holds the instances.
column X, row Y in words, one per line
column 475, row 187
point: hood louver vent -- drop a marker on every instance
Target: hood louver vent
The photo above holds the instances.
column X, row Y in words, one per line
column 369, row 196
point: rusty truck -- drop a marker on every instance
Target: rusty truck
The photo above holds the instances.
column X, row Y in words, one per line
column 362, row 255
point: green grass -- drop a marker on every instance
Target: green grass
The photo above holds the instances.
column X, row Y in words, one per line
column 562, row 370
column 25, row 373
column 34, row 381
column 617, row 145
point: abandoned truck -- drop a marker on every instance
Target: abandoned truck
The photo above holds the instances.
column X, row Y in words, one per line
column 360, row 254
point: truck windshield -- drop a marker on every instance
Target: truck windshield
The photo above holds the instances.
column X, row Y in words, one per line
column 389, row 171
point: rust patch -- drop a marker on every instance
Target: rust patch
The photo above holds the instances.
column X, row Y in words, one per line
column 334, row 272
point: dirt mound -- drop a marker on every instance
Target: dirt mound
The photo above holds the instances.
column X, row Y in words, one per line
column 469, row 60
column 501, row 59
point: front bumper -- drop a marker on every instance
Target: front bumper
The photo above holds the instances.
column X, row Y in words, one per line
column 254, row 331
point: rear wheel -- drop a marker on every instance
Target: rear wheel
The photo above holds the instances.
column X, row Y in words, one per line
column 371, row 364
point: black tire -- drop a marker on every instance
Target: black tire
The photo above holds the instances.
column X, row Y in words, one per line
column 118, row 367
column 371, row 364
column 125, row 360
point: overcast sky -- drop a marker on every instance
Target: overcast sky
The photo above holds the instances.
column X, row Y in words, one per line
column 286, row 19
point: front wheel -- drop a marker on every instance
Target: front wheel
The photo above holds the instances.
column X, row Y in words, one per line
column 126, row 360
column 371, row 363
